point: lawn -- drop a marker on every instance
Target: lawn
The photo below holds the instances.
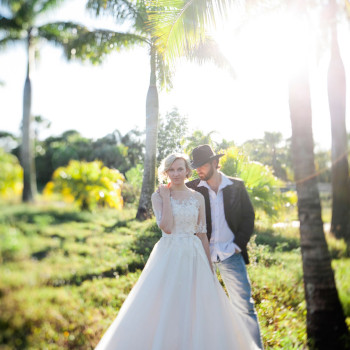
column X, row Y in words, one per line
column 65, row 274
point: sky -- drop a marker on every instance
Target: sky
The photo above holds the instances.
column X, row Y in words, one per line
column 96, row 100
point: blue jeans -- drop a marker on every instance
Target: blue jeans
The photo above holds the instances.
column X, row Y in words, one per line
column 234, row 274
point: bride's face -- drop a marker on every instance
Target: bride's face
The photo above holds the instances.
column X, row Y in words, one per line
column 177, row 172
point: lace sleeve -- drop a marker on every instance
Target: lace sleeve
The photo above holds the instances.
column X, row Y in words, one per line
column 201, row 226
column 157, row 204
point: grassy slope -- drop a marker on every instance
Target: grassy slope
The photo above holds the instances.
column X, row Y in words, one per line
column 64, row 275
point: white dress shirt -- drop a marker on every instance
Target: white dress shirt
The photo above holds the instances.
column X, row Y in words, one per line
column 221, row 243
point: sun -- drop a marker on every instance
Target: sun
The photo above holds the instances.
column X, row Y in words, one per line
column 266, row 53
column 269, row 43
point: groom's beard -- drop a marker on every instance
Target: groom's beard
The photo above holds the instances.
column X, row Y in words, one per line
column 209, row 174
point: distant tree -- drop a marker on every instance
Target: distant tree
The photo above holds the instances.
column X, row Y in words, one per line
column 131, row 188
column 58, row 151
column 134, row 141
column 323, row 165
column 270, row 151
column 272, row 140
column 197, row 138
column 115, row 150
column 172, row 129
column 39, row 124
column 8, row 141
column 225, row 144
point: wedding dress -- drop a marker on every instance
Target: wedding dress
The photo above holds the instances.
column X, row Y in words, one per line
column 178, row 303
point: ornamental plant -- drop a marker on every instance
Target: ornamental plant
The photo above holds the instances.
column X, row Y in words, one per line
column 89, row 184
column 263, row 187
column 11, row 175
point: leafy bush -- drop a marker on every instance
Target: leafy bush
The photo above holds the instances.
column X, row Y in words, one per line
column 88, row 184
column 11, row 175
column 262, row 186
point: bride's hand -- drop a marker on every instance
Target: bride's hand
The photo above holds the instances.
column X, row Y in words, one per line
column 164, row 191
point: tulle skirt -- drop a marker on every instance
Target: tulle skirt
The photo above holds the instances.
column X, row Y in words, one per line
column 177, row 304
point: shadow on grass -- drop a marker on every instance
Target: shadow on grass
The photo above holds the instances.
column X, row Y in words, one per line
column 145, row 241
column 142, row 246
column 77, row 280
column 42, row 254
column 275, row 241
column 50, row 217
column 118, row 224
column 20, row 334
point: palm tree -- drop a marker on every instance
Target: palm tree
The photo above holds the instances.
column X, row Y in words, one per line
column 272, row 139
column 197, row 138
column 340, row 166
column 325, row 318
column 19, row 25
column 95, row 45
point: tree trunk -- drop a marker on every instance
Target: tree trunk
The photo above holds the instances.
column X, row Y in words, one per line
column 152, row 111
column 340, row 166
column 27, row 146
column 326, row 326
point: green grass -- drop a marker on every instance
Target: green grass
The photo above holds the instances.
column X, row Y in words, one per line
column 65, row 274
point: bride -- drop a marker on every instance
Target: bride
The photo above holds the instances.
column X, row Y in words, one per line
column 178, row 302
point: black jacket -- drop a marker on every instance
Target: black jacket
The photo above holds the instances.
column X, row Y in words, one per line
column 239, row 212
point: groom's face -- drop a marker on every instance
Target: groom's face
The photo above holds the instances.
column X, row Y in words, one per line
column 206, row 171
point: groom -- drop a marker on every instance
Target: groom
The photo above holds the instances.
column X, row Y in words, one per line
column 230, row 223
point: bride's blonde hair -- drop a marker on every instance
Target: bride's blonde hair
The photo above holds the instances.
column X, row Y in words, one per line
column 168, row 161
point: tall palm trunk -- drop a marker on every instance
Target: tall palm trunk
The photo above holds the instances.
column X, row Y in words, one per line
column 340, row 166
column 27, row 147
column 152, row 111
column 325, row 318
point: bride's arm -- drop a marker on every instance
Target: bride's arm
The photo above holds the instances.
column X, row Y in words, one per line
column 162, row 208
column 204, row 239
column 202, row 229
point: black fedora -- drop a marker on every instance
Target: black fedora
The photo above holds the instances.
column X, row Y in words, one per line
column 203, row 154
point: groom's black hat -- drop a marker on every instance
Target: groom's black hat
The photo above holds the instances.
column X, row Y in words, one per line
column 203, row 154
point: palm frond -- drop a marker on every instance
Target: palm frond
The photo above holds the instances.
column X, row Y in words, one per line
column 80, row 42
column 8, row 24
column 181, row 24
column 164, row 73
column 208, row 50
column 9, row 39
column 24, row 12
column 121, row 10
column 45, row 5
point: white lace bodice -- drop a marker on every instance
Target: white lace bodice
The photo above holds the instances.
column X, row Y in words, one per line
column 188, row 212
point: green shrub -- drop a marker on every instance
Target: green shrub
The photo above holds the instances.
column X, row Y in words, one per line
column 262, row 186
column 88, row 184
column 11, row 175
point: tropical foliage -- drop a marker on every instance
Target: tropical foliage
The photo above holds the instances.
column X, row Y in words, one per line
column 263, row 187
column 11, row 175
column 88, row 184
